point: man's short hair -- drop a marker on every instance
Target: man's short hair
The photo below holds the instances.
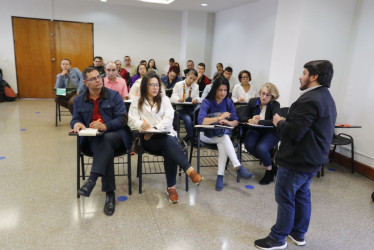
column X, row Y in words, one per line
column 86, row 71
column 98, row 57
column 202, row 65
column 171, row 60
column 190, row 61
column 228, row 69
column 323, row 68
column 65, row 59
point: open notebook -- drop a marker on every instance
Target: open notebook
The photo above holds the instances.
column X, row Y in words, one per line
column 88, row 132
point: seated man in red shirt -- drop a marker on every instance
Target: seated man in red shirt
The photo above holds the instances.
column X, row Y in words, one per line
column 202, row 80
column 111, row 81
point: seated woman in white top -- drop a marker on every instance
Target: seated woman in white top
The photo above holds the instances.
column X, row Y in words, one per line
column 187, row 91
column 151, row 109
column 135, row 89
column 244, row 91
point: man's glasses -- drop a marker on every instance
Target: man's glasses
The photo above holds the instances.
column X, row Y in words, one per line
column 94, row 78
column 157, row 85
column 264, row 94
column 97, row 61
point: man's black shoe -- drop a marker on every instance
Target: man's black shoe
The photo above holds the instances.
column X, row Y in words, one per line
column 186, row 139
column 86, row 189
column 110, row 204
column 268, row 243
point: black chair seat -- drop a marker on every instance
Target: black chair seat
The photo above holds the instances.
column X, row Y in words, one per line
column 342, row 139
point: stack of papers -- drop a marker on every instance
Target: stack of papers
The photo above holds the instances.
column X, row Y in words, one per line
column 88, row 132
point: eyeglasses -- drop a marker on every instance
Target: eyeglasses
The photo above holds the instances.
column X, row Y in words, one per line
column 97, row 61
column 245, row 77
column 157, row 85
column 94, row 78
column 264, row 94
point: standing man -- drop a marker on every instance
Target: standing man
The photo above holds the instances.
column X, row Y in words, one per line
column 98, row 64
column 130, row 68
column 72, row 80
column 306, row 135
column 111, row 81
column 190, row 66
column 103, row 109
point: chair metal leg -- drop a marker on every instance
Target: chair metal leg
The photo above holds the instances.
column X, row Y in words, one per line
column 140, row 164
column 353, row 157
column 129, row 171
column 78, row 166
column 198, row 152
column 56, row 114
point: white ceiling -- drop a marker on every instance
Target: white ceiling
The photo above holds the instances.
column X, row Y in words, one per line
column 181, row 5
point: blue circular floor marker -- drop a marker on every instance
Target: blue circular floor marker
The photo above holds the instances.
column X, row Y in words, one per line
column 249, row 187
column 37, row 112
column 332, row 169
column 122, row 198
column 2, row 157
column 23, row 129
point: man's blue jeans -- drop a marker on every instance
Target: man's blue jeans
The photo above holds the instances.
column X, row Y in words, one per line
column 294, row 205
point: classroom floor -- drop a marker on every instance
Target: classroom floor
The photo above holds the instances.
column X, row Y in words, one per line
column 39, row 208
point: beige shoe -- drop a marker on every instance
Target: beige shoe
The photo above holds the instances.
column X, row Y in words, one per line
column 173, row 195
column 196, row 177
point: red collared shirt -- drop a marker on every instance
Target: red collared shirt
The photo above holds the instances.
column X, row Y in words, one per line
column 96, row 114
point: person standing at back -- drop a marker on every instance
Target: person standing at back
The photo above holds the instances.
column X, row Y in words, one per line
column 306, row 135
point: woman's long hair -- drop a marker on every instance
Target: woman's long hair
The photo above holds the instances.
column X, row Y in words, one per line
column 218, row 82
column 144, row 91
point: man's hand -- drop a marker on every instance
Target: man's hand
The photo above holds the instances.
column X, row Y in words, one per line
column 64, row 72
column 98, row 125
column 194, row 101
column 78, row 126
column 277, row 118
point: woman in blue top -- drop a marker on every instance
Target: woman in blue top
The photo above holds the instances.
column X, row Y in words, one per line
column 218, row 109
column 259, row 141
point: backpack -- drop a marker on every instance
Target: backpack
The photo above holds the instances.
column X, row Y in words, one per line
column 7, row 94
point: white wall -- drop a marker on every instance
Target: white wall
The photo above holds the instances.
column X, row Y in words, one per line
column 243, row 39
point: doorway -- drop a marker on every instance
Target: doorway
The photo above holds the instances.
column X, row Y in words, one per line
column 39, row 47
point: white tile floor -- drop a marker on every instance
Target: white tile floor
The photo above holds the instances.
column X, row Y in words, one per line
column 39, row 208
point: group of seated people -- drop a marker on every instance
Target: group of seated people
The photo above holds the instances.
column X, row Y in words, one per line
column 99, row 103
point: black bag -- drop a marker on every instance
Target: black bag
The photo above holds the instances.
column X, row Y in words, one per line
column 6, row 92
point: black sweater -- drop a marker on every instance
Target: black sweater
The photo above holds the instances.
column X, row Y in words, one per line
column 251, row 109
column 307, row 133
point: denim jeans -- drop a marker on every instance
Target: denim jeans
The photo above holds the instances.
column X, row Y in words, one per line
column 258, row 143
column 172, row 152
column 186, row 114
column 294, row 205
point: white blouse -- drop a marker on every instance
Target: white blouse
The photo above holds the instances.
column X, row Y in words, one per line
column 179, row 90
column 238, row 92
column 162, row 120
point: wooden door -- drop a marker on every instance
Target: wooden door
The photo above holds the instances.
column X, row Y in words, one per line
column 39, row 47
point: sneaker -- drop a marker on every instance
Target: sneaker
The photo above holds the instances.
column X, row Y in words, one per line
column 219, row 183
column 268, row 243
column 173, row 195
column 87, row 187
column 242, row 172
column 196, row 177
column 268, row 177
column 297, row 241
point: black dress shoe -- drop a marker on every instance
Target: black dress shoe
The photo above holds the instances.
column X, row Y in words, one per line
column 109, row 204
column 87, row 187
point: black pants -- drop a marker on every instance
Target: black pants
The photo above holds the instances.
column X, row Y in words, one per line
column 103, row 149
column 173, row 155
column 66, row 101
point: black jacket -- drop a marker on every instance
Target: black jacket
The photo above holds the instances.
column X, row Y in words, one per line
column 251, row 109
column 307, row 133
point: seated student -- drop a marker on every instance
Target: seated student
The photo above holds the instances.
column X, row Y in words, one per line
column 151, row 109
column 244, row 91
column 219, row 71
column 140, row 72
column 98, row 64
column 171, row 78
column 152, row 65
column 122, row 72
column 226, row 73
column 135, row 89
column 111, row 81
column 176, row 64
column 167, row 67
column 259, row 141
column 202, row 80
column 103, row 109
column 186, row 91
column 71, row 79
column 218, row 109
column 190, row 66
